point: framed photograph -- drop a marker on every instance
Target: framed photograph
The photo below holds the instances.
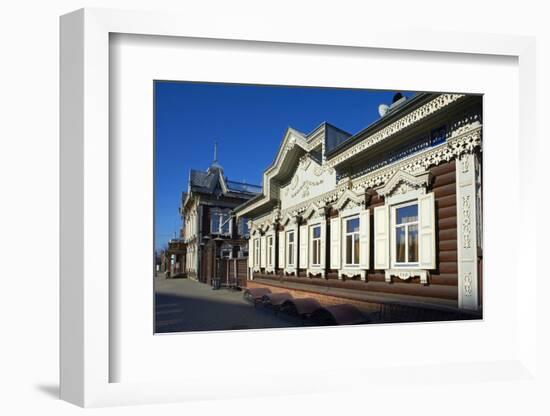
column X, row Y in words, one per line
column 383, row 225
column 294, row 206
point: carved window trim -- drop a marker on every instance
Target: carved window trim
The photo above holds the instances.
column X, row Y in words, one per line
column 393, row 227
column 400, row 190
column 315, row 245
column 257, row 254
column 290, row 248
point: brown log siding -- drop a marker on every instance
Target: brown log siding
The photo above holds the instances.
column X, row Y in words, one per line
column 444, row 188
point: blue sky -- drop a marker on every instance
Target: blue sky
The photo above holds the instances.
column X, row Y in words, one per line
column 248, row 122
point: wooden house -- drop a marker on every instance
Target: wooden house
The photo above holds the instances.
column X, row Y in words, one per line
column 391, row 215
column 210, row 231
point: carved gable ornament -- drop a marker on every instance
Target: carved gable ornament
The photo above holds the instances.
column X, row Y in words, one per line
column 402, row 183
column 309, row 212
column 288, row 219
column 348, row 199
column 310, row 180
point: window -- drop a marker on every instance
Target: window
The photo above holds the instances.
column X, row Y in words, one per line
column 215, row 223
column 316, row 245
column 406, row 234
column 352, row 241
column 270, row 250
column 290, row 247
column 226, row 254
column 225, row 223
column 257, row 251
column 220, row 222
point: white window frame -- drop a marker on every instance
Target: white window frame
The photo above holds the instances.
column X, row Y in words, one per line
column 221, row 223
column 393, row 238
column 290, row 250
column 345, row 241
column 315, row 250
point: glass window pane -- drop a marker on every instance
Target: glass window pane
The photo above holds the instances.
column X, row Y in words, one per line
column 317, row 232
column 290, row 237
column 352, row 225
column 407, row 214
column 225, row 223
column 400, row 245
column 413, row 243
column 349, row 245
column 215, row 223
column 356, row 249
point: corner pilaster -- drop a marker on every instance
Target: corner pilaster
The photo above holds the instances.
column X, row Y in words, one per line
column 468, row 287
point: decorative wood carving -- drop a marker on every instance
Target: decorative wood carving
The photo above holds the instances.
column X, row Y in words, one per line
column 407, row 274
column 410, row 119
column 402, row 182
column 467, row 142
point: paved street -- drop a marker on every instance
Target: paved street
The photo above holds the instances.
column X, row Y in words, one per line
column 185, row 305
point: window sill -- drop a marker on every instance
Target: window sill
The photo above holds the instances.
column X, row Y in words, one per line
column 291, row 269
column 315, row 270
column 351, row 271
column 405, row 273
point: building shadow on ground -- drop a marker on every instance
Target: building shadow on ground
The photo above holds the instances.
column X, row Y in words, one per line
column 182, row 313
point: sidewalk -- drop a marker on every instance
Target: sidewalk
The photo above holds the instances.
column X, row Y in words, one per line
column 185, row 305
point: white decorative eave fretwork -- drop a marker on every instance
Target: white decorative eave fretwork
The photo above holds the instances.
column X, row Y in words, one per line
column 294, row 139
column 409, row 120
column 466, row 142
column 404, row 181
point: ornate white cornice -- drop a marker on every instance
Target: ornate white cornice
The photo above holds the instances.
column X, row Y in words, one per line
column 410, row 119
column 453, row 148
column 464, row 138
column 465, row 142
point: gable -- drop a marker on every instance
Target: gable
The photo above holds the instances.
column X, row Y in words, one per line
column 308, row 181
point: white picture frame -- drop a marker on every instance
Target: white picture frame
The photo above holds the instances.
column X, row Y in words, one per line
column 87, row 293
